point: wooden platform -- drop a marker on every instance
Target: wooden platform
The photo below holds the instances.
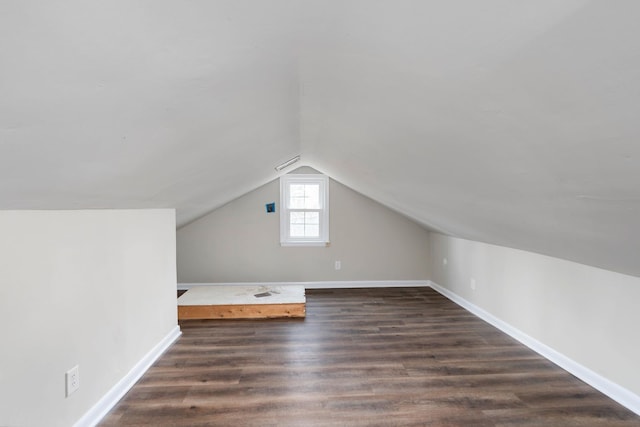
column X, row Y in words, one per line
column 242, row 302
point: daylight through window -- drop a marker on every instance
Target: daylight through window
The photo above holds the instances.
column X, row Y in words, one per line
column 304, row 216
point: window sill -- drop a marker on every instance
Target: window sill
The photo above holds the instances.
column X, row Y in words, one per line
column 304, row 243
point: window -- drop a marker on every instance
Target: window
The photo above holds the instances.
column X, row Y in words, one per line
column 304, row 212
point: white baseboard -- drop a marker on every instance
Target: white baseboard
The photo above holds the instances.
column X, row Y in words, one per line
column 323, row 285
column 620, row 394
column 113, row 396
column 367, row 284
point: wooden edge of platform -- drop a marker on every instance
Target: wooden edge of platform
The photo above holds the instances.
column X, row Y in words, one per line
column 241, row 311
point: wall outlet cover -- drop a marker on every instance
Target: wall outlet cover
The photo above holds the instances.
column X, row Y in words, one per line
column 72, row 378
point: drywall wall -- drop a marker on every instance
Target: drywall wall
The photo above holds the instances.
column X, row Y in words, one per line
column 89, row 288
column 587, row 314
column 240, row 242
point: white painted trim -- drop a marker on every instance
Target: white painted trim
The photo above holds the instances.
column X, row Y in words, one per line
column 113, row 396
column 616, row 392
column 285, row 182
column 303, row 244
column 324, row 285
column 367, row 284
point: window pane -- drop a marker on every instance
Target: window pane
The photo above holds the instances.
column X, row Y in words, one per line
column 296, row 190
column 312, row 196
column 304, row 196
column 296, row 218
column 297, row 230
column 304, row 224
column 296, row 203
column 312, row 230
column 312, row 218
column 296, row 196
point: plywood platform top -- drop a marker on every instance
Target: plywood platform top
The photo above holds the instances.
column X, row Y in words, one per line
column 242, row 294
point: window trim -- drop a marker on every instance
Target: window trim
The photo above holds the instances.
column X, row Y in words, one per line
column 285, row 182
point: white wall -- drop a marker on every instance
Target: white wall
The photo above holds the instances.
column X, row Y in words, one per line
column 240, row 242
column 587, row 314
column 89, row 288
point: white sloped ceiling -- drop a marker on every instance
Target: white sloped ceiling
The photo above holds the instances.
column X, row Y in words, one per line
column 512, row 123
column 144, row 103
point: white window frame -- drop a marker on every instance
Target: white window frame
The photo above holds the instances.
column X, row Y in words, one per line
column 285, row 184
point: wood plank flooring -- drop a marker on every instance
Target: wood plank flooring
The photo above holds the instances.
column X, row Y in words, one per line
column 362, row 357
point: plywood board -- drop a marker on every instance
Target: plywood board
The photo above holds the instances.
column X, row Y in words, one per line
column 242, row 302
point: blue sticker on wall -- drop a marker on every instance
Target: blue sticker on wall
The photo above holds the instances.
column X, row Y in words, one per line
column 271, row 207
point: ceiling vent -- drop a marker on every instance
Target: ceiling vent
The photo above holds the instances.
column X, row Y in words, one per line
column 287, row 163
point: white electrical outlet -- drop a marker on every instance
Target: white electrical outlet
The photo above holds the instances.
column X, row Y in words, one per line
column 444, row 261
column 338, row 265
column 72, row 378
column 473, row 284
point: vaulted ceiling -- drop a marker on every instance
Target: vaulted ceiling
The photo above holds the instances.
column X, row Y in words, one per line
column 508, row 122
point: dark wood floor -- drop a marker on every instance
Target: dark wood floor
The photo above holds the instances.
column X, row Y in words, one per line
column 362, row 357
